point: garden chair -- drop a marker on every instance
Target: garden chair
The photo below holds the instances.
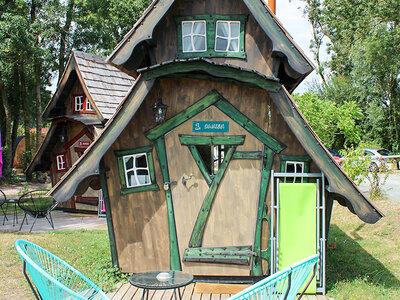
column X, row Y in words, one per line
column 37, row 204
column 53, row 278
column 4, row 202
column 284, row 284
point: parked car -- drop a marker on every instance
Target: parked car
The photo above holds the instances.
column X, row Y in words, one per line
column 336, row 156
column 379, row 157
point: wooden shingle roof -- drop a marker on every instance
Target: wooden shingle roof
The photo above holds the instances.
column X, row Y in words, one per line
column 103, row 84
column 107, row 86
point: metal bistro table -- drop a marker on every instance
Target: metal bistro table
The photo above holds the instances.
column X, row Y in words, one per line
column 161, row 281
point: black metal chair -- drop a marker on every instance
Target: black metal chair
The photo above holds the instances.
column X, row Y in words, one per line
column 37, row 204
column 4, row 202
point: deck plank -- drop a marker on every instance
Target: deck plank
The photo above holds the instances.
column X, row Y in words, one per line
column 168, row 295
column 215, row 296
column 121, row 292
column 130, row 292
column 158, row 295
column 117, row 287
column 225, row 296
column 205, row 296
column 187, row 292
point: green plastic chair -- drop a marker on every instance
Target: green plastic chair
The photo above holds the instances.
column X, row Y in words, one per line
column 284, row 284
column 53, row 278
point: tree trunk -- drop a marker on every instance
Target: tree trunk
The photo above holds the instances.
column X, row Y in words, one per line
column 7, row 147
column 25, row 106
column 37, row 84
column 63, row 37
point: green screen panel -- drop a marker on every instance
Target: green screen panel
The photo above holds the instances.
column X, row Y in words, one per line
column 297, row 224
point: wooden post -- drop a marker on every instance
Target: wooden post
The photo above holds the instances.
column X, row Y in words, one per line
column 272, row 6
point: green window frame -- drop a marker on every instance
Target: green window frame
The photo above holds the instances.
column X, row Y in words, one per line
column 211, row 33
column 295, row 160
column 122, row 156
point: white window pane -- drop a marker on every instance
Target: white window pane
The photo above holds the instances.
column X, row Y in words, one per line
column 187, row 44
column 186, row 28
column 199, row 43
column 221, row 44
column 199, row 27
column 131, row 179
column 234, row 45
column 235, row 28
column 222, row 29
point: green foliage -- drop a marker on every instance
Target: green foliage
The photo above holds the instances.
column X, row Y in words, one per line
column 335, row 123
column 355, row 165
column 363, row 41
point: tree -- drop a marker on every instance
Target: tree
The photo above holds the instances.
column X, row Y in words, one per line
column 363, row 39
column 335, row 124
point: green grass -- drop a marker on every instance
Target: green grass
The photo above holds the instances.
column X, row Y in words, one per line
column 88, row 251
column 366, row 261
column 364, row 265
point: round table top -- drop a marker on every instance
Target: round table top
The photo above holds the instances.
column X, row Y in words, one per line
column 149, row 280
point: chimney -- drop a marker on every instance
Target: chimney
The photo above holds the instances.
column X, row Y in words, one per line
column 272, row 6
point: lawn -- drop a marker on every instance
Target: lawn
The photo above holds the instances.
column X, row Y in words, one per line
column 364, row 265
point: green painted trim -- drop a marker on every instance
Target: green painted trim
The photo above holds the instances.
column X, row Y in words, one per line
column 247, row 155
column 211, row 140
column 185, row 68
column 175, row 262
column 236, row 255
column 110, row 227
column 198, row 230
column 302, row 158
column 183, row 116
column 250, row 126
column 200, row 163
column 121, row 170
column 256, row 268
column 211, row 21
column 133, row 151
column 143, row 188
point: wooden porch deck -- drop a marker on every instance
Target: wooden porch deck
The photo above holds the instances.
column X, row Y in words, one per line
column 190, row 292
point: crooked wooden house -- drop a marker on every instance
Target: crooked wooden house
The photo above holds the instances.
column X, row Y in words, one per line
column 234, row 183
column 87, row 96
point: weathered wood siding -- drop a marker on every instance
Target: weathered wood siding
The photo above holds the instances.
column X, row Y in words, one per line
column 140, row 219
column 258, row 46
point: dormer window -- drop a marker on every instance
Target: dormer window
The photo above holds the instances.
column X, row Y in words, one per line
column 82, row 105
column 79, row 100
column 227, row 36
column 211, row 36
column 89, row 106
column 194, row 37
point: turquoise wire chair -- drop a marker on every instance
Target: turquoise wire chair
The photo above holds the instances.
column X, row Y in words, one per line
column 53, row 278
column 284, row 284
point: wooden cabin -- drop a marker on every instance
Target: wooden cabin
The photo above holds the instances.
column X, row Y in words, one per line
column 86, row 97
column 233, row 183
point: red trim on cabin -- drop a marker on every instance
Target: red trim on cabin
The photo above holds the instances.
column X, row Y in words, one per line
column 87, row 200
column 80, row 134
column 63, row 120
column 84, row 103
column 73, row 202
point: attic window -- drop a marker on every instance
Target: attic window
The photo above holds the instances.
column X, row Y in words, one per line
column 295, row 164
column 136, row 170
column 194, row 36
column 82, row 105
column 79, row 100
column 211, row 36
column 61, row 162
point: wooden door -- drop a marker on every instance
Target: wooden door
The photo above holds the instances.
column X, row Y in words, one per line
column 215, row 213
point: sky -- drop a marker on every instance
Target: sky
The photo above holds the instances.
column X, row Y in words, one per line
column 290, row 14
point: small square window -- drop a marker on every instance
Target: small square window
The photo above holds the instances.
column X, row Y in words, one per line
column 227, row 36
column 136, row 170
column 79, row 103
column 194, row 36
column 61, row 162
column 294, row 167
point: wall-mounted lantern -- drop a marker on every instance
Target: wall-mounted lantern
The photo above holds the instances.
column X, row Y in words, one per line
column 159, row 111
